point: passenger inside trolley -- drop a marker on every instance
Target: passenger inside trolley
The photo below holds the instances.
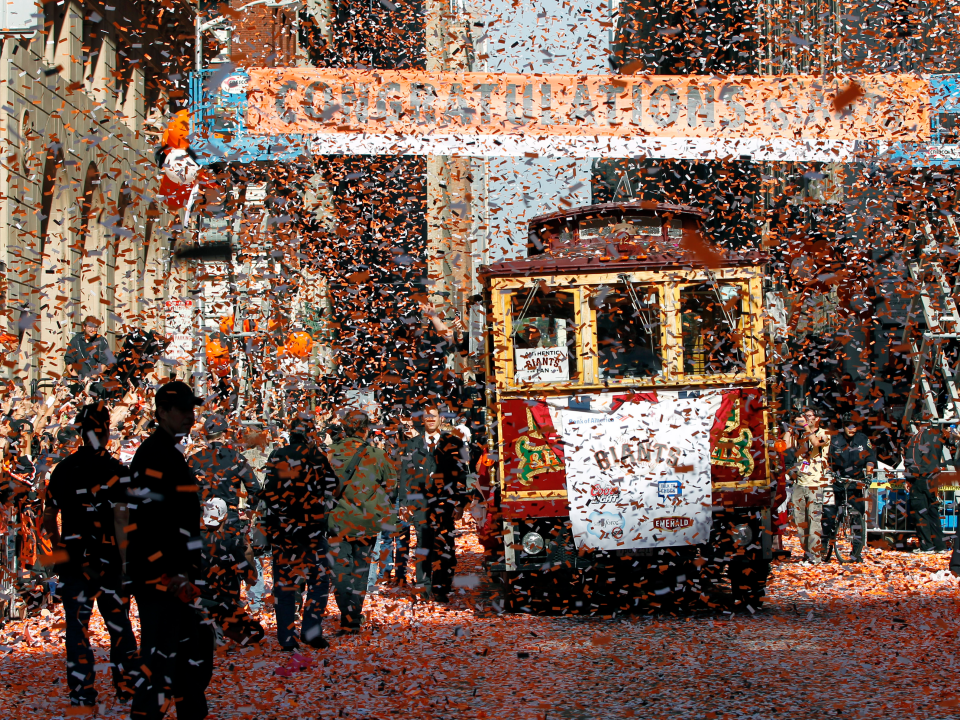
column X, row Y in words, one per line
column 628, row 332
column 712, row 316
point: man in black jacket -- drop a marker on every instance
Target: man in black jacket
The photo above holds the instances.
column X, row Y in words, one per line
column 88, row 491
column 852, row 458
column 164, row 562
column 444, row 493
column 923, row 459
column 297, row 496
column 222, row 471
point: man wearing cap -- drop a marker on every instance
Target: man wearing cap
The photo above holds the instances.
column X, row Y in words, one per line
column 164, row 561
column 296, row 499
column 851, row 458
column 222, row 471
column 88, row 352
column 88, row 491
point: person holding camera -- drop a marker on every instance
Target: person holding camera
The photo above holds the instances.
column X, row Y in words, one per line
column 809, row 480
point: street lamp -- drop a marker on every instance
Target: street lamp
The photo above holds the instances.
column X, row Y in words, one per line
column 202, row 27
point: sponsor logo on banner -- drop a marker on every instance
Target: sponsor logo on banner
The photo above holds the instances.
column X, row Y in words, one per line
column 605, row 493
column 669, row 489
column 673, row 523
column 605, row 523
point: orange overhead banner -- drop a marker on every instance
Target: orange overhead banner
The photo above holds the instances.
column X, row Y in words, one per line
column 884, row 108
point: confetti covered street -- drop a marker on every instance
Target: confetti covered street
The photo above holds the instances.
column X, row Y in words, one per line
column 868, row 641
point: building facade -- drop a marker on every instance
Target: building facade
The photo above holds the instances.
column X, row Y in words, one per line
column 81, row 230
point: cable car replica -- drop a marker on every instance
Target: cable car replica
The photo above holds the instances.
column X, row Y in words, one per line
column 632, row 447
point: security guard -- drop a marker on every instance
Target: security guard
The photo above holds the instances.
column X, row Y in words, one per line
column 297, row 496
column 221, row 471
column 851, row 458
column 164, row 561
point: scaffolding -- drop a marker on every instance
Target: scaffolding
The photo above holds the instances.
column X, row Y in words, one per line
column 936, row 359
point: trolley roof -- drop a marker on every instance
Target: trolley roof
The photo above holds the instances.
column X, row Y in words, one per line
column 557, row 245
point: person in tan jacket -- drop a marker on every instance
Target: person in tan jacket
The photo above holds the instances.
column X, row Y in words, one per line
column 809, row 479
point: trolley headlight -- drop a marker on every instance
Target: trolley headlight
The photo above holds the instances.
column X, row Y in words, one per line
column 743, row 535
column 532, row 543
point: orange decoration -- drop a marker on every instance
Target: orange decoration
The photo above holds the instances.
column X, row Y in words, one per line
column 218, row 357
column 298, row 344
column 178, row 131
column 780, row 446
column 226, row 324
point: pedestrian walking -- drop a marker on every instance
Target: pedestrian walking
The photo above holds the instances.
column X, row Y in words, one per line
column 296, row 500
column 88, row 494
column 222, row 471
column 925, row 515
column 227, row 562
column 254, row 452
column 851, row 458
column 366, row 479
column 164, row 561
column 922, row 457
column 445, row 494
column 808, row 483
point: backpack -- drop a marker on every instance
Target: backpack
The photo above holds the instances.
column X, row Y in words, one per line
column 362, row 503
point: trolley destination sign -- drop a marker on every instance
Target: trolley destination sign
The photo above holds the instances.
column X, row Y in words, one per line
column 785, row 117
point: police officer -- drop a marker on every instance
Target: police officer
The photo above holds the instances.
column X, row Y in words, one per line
column 88, row 490
column 852, row 458
column 222, row 470
column 164, row 562
column 296, row 498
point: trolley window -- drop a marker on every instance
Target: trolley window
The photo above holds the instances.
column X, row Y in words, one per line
column 544, row 336
column 712, row 321
column 628, row 331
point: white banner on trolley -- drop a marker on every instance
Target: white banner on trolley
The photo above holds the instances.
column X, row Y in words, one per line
column 640, row 477
column 758, row 149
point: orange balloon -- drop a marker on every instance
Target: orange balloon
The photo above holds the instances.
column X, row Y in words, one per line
column 298, row 344
column 218, row 357
column 226, row 324
column 178, row 131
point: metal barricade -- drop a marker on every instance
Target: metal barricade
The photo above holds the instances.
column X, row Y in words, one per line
column 888, row 508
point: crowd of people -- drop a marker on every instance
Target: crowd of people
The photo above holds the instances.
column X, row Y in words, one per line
column 827, row 470
column 168, row 498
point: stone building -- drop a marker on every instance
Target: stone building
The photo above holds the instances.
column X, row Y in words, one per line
column 83, row 94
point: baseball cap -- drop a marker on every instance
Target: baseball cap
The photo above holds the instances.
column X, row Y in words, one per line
column 215, row 424
column 214, row 512
column 176, row 393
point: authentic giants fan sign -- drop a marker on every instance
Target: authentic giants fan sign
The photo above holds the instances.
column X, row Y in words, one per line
column 789, row 117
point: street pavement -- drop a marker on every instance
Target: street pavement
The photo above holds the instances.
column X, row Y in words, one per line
column 875, row 640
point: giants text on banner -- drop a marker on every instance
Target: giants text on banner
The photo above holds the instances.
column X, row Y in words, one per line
column 640, row 477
